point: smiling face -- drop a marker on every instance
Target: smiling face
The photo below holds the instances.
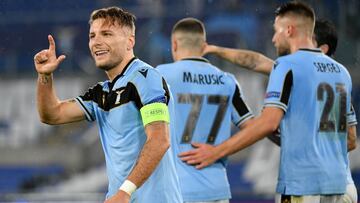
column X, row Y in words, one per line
column 109, row 43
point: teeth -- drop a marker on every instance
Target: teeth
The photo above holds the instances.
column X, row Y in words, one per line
column 97, row 53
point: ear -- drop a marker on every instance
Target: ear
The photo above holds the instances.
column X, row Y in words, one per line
column 290, row 30
column 174, row 44
column 131, row 42
column 324, row 48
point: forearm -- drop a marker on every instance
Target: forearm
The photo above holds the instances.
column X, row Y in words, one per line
column 351, row 138
column 244, row 138
column 248, row 59
column 267, row 123
column 47, row 101
column 150, row 156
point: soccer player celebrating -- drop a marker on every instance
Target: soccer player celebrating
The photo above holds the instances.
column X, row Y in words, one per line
column 130, row 109
column 325, row 38
column 308, row 97
column 206, row 101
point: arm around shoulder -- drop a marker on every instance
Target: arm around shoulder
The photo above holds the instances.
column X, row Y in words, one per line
column 257, row 129
column 245, row 58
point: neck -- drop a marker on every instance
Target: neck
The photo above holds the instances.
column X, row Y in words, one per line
column 301, row 43
column 112, row 73
column 187, row 54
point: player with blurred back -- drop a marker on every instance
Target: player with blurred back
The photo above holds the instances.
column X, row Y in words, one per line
column 207, row 100
column 308, row 97
column 325, row 38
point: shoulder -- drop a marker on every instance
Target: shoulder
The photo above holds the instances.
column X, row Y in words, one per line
column 98, row 86
column 163, row 67
column 284, row 63
column 231, row 78
column 143, row 72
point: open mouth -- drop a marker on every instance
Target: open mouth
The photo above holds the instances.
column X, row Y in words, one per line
column 101, row 52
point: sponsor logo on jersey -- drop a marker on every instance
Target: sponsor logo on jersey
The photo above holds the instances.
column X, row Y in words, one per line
column 272, row 95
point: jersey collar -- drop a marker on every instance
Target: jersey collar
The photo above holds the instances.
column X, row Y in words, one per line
column 318, row 50
column 201, row 59
column 111, row 84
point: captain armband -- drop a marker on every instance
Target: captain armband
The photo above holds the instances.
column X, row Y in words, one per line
column 154, row 112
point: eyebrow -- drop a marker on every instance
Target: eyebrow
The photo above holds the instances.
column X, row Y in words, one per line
column 102, row 31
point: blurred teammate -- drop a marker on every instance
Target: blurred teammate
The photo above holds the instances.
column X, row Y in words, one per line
column 206, row 101
column 308, row 96
column 325, row 38
column 130, row 109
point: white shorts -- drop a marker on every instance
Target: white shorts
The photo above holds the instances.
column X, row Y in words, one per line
column 309, row 199
column 216, row 201
column 351, row 194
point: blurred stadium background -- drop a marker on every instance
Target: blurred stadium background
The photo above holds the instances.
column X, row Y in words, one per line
column 40, row 163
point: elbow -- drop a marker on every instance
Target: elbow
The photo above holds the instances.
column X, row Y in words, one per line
column 352, row 146
column 47, row 120
column 271, row 127
column 165, row 144
column 271, row 118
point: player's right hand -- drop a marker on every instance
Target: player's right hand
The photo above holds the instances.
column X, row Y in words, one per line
column 46, row 61
column 202, row 156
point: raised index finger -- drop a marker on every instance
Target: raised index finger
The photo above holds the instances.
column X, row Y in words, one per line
column 51, row 43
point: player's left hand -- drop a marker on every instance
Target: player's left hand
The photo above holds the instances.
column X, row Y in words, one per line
column 202, row 156
column 119, row 197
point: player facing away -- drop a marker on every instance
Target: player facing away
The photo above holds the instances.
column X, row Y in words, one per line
column 308, row 97
column 207, row 100
column 325, row 37
column 131, row 110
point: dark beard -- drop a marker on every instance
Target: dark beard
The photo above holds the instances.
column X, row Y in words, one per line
column 283, row 52
column 107, row 67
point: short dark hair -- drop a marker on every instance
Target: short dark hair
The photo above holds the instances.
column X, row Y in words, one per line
column 297, row 8
column 114, row 14
column 192, row 25
column 325, row 33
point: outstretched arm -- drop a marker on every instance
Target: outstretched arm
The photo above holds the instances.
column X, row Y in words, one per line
column 251, row 132
column 50, row 108
column 248, row 59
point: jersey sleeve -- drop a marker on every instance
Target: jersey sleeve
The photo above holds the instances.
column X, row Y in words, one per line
column 152, row 95
column 86, row 101
column 279, row 87
column 151, row 87
column 240, row 111
column 351, row 117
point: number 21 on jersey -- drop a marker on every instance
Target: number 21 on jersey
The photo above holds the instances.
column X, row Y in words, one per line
column 333, row 116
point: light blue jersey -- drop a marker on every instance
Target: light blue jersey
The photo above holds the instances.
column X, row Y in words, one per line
column 116, row 108
column 314, row 92
column 206, row 101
